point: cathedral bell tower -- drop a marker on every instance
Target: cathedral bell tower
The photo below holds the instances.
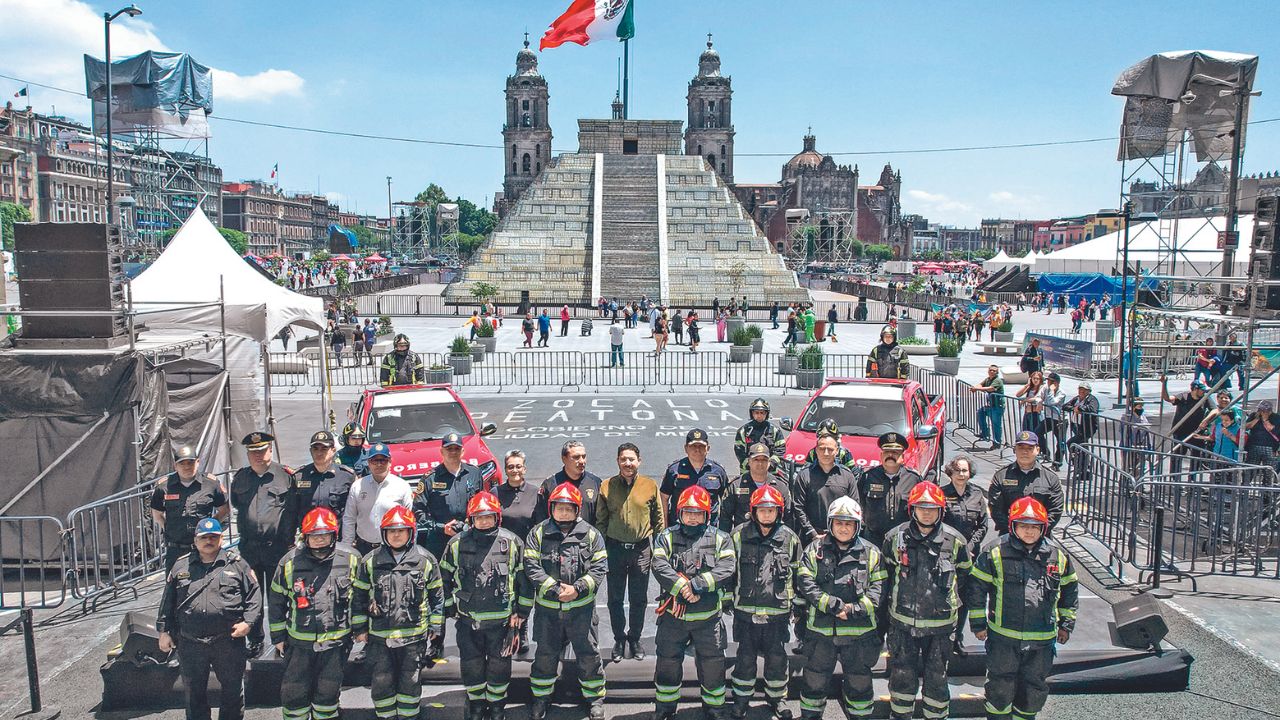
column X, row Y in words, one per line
column 526, row 135
column 710, row 130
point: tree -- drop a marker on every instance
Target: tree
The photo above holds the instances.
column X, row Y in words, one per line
column 432, row 196
column 482, row 291
column 878, row 252
column 468, row 244
column 474, row 220
column 856, row 247
column 364, row 237
column 737, row 277
column 11, row 213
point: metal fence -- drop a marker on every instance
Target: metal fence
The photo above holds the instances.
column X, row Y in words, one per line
column 371, row 285
column 112, row 543
column 35, row 570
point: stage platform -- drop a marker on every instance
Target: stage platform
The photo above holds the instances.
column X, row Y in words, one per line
column 1090, row 663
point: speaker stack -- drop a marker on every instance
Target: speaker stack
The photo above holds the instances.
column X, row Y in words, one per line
column 69, row 268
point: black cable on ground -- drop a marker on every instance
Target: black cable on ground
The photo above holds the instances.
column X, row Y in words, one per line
column 1232, row 703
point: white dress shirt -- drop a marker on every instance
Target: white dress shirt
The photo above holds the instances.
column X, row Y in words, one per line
column 368, row 502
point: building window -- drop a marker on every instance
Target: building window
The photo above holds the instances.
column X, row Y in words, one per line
column 513, row 152
column 722, row 151
column 537, row 151
column 525, row 164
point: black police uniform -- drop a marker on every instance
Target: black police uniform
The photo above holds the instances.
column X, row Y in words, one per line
column 1011, row 482
column 442, row 498
column 588, row 486
column 927, row 575
column 758, row 432
column 328, row 489
column 735, row 507
column 704, row 562
column 575, row 557
column 266, row 514
column 681, row 475
column 830, row 578
column 398, row 600
column 813, row 490
column 484, row 585
column 843, row 457
column 309, row 606
column 519, row 505
column 884, row 500
column 762, row 600
column 967, row 514
column 184, row 505
column 200, row 604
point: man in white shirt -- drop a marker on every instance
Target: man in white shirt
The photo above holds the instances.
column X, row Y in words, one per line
column 371, row 497
column 615, row 346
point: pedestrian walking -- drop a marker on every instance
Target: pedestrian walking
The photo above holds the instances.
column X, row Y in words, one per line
column 722, row 326
column 695, row 332
column 773, row 314
column 526, row 327
column 660, row 328
column 544, row 329
column 677, row 327
column 832, row 316
column 564, row 321
column 792, row 330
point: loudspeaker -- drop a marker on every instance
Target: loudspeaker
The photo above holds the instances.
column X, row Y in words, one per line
column 139, row 640
column 68, row 267
column 1267, row 210
column 1139, row 622
column 1265, row 265
column 524, row 303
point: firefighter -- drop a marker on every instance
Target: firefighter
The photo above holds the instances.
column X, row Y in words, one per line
column 735, row 509
column 841, row 577
column 692, row 561
column 565, row 563
column 888, row 359
column 928, row 567
column 818, row 484
column 845, row 458
column 352, row 451
column 310, row 611
column 884, row 489
column 401, row 366
column 758, row 430
column 767, row 553
column 1025, row 477
column 487, row 594
column 397, row 610
column 1033, row 594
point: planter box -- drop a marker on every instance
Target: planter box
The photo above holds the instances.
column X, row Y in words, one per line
column 739, row 353
column 787, row 364
column 461, row 364
column 440, row 377
column 906, row 328
column 757, row 346
column 920, row 349
column 490, row 343
column 1004, row 336
column 946, row 366
column 477, row 352
column 809, row 379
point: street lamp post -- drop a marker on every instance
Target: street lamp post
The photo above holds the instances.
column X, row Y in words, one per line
column 1124, row 310
column 131, row 11
column 390, row 217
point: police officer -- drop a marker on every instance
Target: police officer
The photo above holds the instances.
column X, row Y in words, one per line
column 1033, row 596
column 309, row 605
column 695, row 468
column 759, row 429
column 485, row 590
column 181, row 499
column 967, row 514
column 888, row 359
column 265, row 501
column 768, row 552
column 440, row 503
column 400, row 366
column 928, row 568
column 210, row 601
column 398, row 610
column 565, row 562
column 842, row 577
column 818, row 484
column 573, row 457
column 323, row 482
column 735, row 508
column 352, row 451
column 692, row 561
column 884, row 489
column 1025, row 477
column 829, row 426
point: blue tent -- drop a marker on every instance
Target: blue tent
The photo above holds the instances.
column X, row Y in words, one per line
column 1090, row 286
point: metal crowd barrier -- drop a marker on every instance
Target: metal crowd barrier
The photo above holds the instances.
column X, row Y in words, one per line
column 112, row 543
column 35, row 567
column 1177, row 513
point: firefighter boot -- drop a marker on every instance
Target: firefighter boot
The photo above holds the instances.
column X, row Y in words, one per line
column 740, row 707
column 538, row 710
column 473, row 710
column 498, row 710
column 597, row 710
column 778, row 712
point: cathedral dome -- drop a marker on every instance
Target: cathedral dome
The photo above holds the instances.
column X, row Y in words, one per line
column 809, row 157
column 709, row 61
column 526, row 60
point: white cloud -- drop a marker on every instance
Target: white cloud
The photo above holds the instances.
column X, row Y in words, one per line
column 46, row 40
column 937, row 202
column 1002, row 196
column 335, row 197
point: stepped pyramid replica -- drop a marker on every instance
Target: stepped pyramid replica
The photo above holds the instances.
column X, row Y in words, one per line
column 639, row 210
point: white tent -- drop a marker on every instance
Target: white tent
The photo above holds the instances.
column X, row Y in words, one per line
column 198, row 266
column 999, row 261
column 1195, row 240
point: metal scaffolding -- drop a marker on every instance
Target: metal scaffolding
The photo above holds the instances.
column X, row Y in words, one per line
column 821, row 238
column 411, row 231
column 170, row 178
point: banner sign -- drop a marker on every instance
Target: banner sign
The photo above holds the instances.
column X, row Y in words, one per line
column 1062, row 352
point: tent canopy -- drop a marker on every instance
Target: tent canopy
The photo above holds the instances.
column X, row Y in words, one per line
column 197, row 267
column 1196, row 240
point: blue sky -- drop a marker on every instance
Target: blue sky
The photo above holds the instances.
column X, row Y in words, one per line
column 866, row 76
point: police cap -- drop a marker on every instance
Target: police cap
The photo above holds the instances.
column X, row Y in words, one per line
column 451, row 440
column 759, row 449
column 696, row 435
column 892, row 441
column 208, row 526
column 186, row 452
column 324, row 437
column 257, row 440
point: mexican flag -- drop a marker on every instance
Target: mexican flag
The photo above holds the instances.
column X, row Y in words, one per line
column 588, row 21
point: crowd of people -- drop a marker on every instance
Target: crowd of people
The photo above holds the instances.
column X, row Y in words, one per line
column 851, row 559
column 304, row 274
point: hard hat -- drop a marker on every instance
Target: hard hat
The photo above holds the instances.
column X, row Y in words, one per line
column 399, row 518
column 1028, row 510
column 694, row 498
column 844, row 508
column 760, row 404
column 320, row 521
column 484, row 503
column 767, row 496
column 565, row 493
column 828, row 427
column 926, row 494
column 400, row 338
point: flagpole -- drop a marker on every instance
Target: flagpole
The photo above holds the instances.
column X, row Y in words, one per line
column 626, row 71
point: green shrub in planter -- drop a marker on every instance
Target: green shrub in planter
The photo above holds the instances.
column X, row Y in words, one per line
column 755, row 331
column 460, row 346
column 812, row 358
column 741, row 337
column 485, row 330
column 384, row 325
column 1005, row 327
column 912, row 341
column 790, row 350
column 948, row 348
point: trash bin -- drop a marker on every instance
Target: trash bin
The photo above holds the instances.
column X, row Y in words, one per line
column 819, row 330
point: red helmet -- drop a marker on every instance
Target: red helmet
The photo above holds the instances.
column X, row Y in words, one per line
column 926, row 494
column 484, row 503
column 566, row 493
column 1028, row 510
column 695, row 498
column 399, row 518
column 320, row 521
column 767, row 496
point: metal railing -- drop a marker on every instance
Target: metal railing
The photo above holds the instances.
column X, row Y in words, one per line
column 35, row 569
column 112, row 543
column 370, row 285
